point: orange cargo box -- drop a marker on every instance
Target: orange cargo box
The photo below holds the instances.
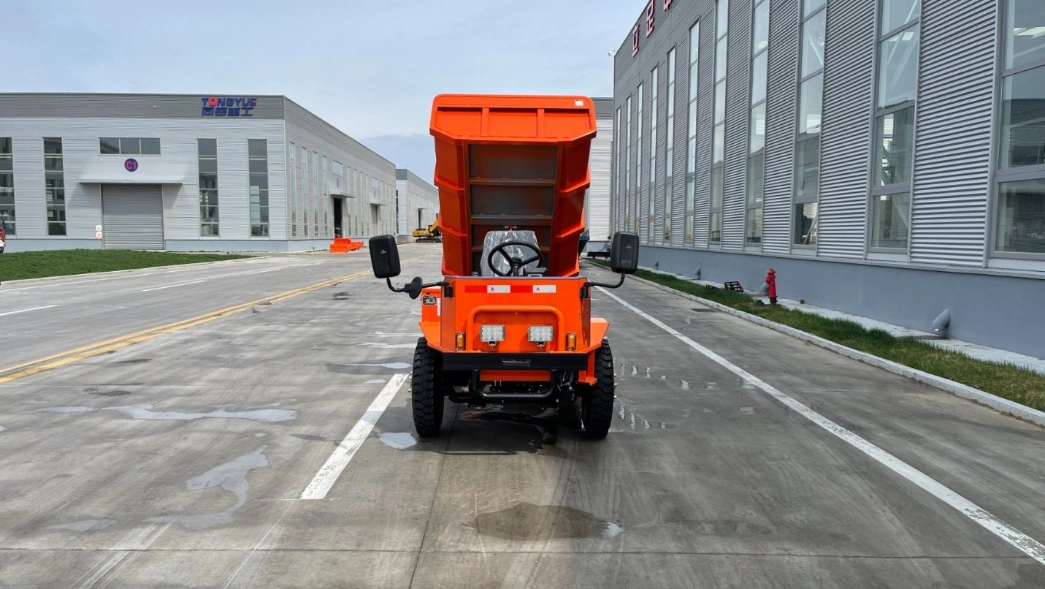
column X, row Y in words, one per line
column 512, row 161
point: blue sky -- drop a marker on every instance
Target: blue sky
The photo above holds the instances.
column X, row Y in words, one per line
column 369, row 67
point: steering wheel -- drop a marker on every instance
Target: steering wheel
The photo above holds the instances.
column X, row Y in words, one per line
column 514, row 263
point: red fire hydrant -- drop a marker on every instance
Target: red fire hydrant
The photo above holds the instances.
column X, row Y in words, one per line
column 771, row 282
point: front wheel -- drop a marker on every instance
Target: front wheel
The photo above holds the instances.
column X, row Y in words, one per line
column 426, row 390
column 597, row 402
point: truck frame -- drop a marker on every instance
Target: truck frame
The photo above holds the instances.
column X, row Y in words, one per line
column 510, row 323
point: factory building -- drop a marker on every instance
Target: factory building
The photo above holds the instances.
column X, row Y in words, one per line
column 885, row 157
column 185, row 172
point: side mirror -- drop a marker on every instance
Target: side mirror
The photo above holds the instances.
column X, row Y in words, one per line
column 624, row 253
column 384, row 256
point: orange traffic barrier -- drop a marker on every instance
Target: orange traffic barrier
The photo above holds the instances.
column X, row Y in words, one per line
column 343, row 245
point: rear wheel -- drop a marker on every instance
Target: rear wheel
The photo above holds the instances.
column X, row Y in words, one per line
column 597, row 402
column 426, row 390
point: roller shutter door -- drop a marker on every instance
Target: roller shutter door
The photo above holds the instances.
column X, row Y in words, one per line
column 132, row 217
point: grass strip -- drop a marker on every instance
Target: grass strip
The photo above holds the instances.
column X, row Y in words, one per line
column 1004, row 380
column 43, row 264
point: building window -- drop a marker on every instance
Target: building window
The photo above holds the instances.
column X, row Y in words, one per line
column 258, row 167
column 654, row 120
column 292, row 188
column 627, row 168
column 810, row 113
column 691, row 131
column 129, row 145
column 207, row 162
column 7, row 186
column 54, row 183
column 756, row 159
column 669, row 155
column 638, row 165
column 897, row 92
column 1020, row 228
column 718, row 140
column 618, row 196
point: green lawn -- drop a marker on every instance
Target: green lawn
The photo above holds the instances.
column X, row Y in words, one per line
column 23, row 265
column 1011, row 382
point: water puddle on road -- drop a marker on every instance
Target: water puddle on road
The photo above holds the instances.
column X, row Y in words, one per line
column 87, row 525
column 266, row 415
column 397, row 440
column 231, row 476
column 529, row 522
column 629, row 422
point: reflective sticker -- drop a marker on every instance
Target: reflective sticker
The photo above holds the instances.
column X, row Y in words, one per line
column 543, row 288
column 498, row 289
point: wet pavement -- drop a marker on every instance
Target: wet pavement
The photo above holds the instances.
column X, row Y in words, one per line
column 181, row 461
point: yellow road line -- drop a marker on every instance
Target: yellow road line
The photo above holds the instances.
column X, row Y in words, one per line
column 69, row 356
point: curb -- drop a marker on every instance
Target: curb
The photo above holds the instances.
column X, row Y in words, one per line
column 995, row 402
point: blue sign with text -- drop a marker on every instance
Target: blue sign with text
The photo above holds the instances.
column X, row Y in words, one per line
column 130, row 165
column 227, row 106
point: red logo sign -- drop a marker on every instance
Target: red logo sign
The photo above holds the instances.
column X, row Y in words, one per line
column 130, row 165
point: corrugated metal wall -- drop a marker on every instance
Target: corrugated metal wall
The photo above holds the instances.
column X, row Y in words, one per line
column 952, row 150
column 598, row 206
column 845, row 139
column 705, row 125
column 953, row 142
column 415, row 193
column 781, row 115
column 738, row 107
column 319, row 139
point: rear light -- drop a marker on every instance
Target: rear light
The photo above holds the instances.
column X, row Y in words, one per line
column 571, row 341
column 540, row 334
column 459, row 341
column 491, row 334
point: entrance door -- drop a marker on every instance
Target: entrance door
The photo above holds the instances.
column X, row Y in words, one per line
column 132, row 217
column 339, row 215
column 419, row 225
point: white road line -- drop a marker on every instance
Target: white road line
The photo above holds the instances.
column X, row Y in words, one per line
column 257, row 272
column 172, row 285
column 1009, row 534
column 26, row 310
column 73, row 282
column 337, row 462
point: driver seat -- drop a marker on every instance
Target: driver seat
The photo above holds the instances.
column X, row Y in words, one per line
column 496, row 238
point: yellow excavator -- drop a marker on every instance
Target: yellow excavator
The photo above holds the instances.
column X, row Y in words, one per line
column 430, row 233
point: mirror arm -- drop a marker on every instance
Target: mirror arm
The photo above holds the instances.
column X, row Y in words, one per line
column 618, row 285
column 445, row 285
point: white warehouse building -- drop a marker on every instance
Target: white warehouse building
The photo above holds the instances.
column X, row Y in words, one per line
column 185, row 173
column 417, row 202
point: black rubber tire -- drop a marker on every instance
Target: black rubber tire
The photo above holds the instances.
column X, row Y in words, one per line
column 426, row 391
column 597, row 403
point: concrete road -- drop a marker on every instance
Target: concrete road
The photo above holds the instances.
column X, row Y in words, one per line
column 180, row 461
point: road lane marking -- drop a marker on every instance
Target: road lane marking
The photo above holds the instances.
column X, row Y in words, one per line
column 69, row 356
column 26, row 310
column 172, row 285
column 328, row 474
column 1009, row 534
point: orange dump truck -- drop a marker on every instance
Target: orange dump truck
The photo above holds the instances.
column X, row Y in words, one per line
column 510, row 323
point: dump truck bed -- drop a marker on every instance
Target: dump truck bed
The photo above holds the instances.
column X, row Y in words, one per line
column 512, row 161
